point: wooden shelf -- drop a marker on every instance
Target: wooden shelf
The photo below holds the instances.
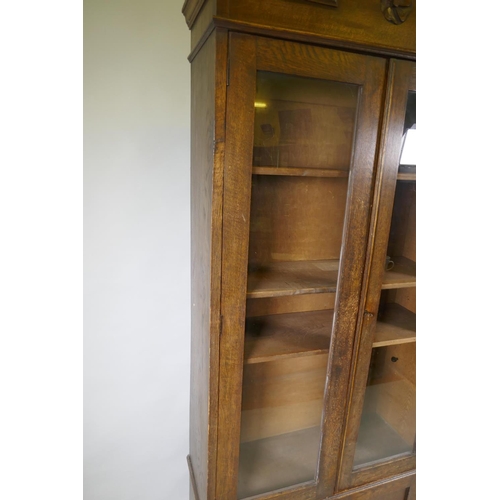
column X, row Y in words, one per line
column 279, row 279
column 402, row 275
column 278, row 461
column 397, row 326
column 279, row 336
column 407, row 176
column 300, row 172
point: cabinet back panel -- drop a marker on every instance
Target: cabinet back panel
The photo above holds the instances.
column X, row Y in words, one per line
column 391, row 390
column 267, row 422
column 289, row 304
column 296, row 218
column 282, row 396
column 406, row 297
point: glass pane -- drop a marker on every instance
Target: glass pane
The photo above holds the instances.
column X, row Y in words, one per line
column 303, row 122
column 387, row 426
column 409, row 148
column 388, row 421
column 304, row 131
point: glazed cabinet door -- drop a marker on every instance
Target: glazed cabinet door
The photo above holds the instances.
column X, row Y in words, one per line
column 381, row 428
column 301, row 135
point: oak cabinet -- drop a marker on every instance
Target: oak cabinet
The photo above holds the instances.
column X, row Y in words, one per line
column 303, row 256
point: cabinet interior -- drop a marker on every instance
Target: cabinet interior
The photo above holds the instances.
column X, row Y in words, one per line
column 296, row 230
column 387, row 427
column 388, row 421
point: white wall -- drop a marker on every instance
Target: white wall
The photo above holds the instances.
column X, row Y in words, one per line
column 136, row 250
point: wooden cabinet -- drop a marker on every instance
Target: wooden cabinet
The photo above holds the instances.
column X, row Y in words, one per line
column 303, row 252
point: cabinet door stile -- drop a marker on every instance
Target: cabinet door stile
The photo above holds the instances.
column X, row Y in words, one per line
column 285, row 410
column 235, row 230
column 350, row 279
column 401, row 80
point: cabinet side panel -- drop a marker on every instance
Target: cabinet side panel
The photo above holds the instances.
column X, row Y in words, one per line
column 202, row 170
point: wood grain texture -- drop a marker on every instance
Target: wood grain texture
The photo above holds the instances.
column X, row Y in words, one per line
column 283, row 382
column 396, row 465
column 405, row 297
column 310, row 61
column 396, row 325
column 202, row 163
column 287, row 335
column 402, row 275
column 207, row 138
column 279, row 279
column 352, row 269
column 404, row 176
column 236, row 225
column 296, row 219
column 291, row 59
column 272, row 421
column 300, row 172
column 218, row 148
column 360, row 25
column 312, row 38
column 401, row 77
column 361, row 21
column 220, row 293
column 282, row 396
column 290, row 304
column 390, row 488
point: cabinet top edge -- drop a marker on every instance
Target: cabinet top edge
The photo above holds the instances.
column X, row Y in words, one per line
column 191, row 9
column 362, row 28
column 301, row 36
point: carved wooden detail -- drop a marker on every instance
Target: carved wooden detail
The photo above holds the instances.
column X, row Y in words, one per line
column 396, row 11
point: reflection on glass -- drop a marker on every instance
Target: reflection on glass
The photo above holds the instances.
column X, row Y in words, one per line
column 304, row 130
column 388, row 420
column 409, row 148
column 280, row 429
column 303, row 122
column 387, row 428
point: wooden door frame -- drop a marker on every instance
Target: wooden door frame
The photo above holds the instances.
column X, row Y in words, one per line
column 247, row 55
column 401, row 80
